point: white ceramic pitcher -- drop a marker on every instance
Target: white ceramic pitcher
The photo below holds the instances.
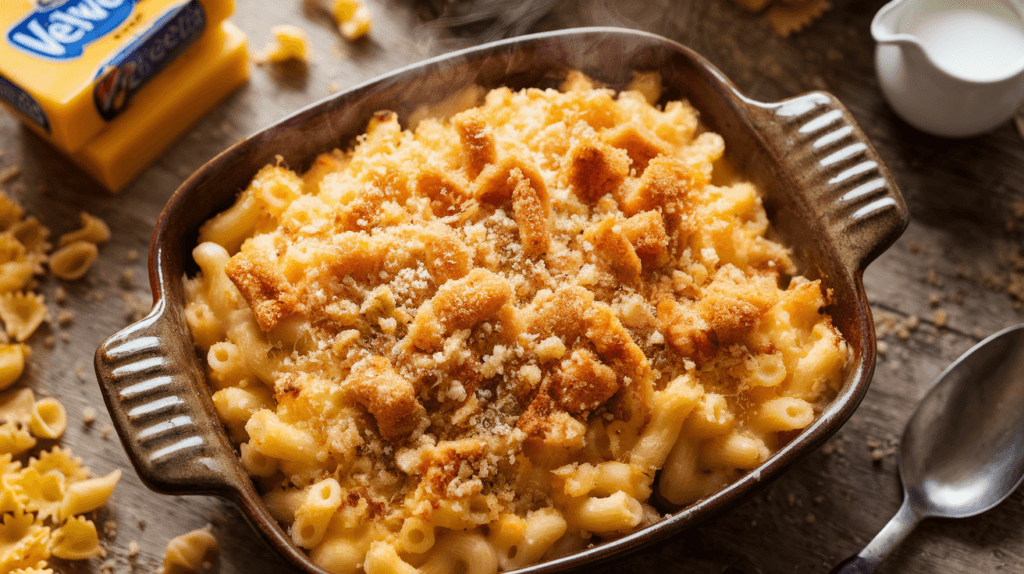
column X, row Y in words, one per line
column 952, row 68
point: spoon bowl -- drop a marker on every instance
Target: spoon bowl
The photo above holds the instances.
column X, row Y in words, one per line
column 962, row 452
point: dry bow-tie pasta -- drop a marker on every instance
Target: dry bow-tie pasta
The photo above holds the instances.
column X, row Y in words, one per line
column 41, row 503
column 474, row 344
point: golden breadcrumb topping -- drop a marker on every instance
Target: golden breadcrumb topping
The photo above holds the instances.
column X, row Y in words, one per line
column 465, row 310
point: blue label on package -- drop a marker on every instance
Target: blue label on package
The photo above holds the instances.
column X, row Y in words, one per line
column 129, row 70
column 60, row 30
column 24, row 103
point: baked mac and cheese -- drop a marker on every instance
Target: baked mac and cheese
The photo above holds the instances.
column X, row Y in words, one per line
column 475, row 344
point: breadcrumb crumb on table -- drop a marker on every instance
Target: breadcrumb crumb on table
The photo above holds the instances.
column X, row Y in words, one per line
column 9, row 173
column 110, row 529
column 940, row 318
column 128, row 278
column 65, row 317
column 88, row 415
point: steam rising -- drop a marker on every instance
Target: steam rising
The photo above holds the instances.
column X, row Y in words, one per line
column 486, row 20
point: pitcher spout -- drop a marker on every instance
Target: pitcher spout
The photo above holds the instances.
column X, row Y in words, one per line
column 886, row 26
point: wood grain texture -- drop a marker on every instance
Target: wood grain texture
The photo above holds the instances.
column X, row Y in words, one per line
column 960, row 194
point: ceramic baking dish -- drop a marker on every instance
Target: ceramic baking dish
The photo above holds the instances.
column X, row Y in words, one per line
column 825, row 189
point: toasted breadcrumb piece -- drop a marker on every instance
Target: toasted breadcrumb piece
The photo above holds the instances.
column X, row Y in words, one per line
column 269, row 292
column 389, row 397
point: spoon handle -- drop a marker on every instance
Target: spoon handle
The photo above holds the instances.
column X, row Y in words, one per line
column 883, row 543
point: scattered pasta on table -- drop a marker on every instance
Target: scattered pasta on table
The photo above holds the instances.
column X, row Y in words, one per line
column 43, row 500
column 45, row 495
column 195, row 552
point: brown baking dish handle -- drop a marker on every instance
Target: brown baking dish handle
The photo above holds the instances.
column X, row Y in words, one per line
column 156, row 392
column 151, row 386
column 845, row 183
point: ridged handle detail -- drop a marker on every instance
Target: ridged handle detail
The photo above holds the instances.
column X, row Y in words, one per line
column 145, row 376
column 851, row 191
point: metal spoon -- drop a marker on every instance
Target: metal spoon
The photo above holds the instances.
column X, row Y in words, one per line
column 962, row 452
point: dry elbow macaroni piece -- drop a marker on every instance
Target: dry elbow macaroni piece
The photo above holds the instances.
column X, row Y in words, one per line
column 73, row 260
column 472, row 345
column 353, row 18
column 12, row 363
column 94, row 230
column 290, row 43
column 195, row 552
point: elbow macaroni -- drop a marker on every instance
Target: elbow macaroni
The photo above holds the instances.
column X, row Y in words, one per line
column 194, row 552
column 476, row 344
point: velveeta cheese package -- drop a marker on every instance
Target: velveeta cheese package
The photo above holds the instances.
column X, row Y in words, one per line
column 112, row 83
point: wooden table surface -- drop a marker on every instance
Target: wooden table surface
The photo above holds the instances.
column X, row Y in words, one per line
column 955, row 257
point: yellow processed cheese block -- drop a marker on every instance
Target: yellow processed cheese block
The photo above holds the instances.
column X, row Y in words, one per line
column 75, row 70
column 173, row 102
